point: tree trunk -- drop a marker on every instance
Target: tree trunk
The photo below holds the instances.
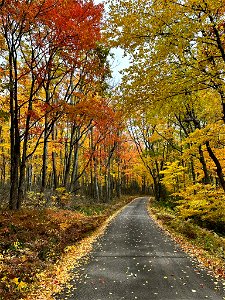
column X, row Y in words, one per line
column 206, row 178
column 14, row 135
column 44, row 157
column 67, row 177
column 156, row 189
column 54, row 170
column 74, row 181
column 68, row 167
column 118, row 182
column 108, row 183
column 21, row 189
column 193, row 171
column 96, row 187
column 45, row 147
column 29, row 175
column 219, row 170
column 143, row 188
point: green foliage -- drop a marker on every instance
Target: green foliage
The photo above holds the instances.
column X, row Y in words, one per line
column 62, row 198
column 204, row 238
column 35, row 200
column 186, row 228
column 91, row 209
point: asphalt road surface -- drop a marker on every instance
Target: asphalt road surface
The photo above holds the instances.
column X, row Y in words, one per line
column 134, row 259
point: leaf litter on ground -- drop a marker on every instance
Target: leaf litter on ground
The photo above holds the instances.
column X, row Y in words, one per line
column 38, row 248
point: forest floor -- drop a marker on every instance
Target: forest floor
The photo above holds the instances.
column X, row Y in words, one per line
column 32, row 241
column 205, row 245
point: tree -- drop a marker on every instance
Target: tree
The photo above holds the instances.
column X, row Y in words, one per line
column 40, row 39
column 177, row 61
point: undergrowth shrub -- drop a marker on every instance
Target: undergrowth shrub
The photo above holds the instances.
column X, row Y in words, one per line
column 205, row 205
column 187, row 228
column 204, row 238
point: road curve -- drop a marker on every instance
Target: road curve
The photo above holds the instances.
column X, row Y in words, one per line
column 134, row 259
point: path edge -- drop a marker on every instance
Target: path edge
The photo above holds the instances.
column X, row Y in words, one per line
column 53, row 281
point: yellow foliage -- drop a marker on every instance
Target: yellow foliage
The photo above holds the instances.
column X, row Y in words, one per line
column 203, row 201
column 20, row 285
column 15, row 280
column 173, row 175
column 64, row 225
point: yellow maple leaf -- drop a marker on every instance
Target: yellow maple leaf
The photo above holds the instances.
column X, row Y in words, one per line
column 15, row 280
column 22, row 285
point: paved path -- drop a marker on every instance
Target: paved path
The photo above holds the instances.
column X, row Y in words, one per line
column 136, row 260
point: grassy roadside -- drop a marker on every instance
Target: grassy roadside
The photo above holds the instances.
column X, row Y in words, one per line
column 33, row 242
column 205, row 245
